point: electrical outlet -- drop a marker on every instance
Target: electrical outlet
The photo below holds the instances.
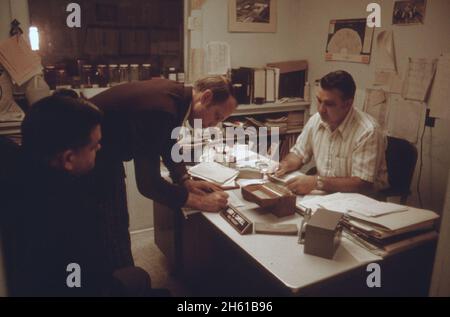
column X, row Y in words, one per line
column 429, row 121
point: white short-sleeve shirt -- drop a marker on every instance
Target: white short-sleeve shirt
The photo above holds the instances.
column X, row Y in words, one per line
column 355, row 149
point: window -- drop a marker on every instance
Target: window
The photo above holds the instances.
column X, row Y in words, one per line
column 112, row 32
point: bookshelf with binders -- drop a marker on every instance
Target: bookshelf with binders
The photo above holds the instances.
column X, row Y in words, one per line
column 271, row 97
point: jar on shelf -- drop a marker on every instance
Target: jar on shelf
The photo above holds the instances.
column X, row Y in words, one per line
column 86, row 76
column 172, row 74
column 50, row 76
column 124, row 73
column 102, row 75
column 134, row 72
column 114, row 76
column 181, row 78
column 145, row 73
column 62, row 81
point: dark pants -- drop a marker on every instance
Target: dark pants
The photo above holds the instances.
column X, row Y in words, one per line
column 110, row 190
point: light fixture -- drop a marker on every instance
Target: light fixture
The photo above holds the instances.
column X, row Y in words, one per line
column 34, row 38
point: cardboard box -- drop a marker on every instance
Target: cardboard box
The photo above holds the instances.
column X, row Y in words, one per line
column 323, row 233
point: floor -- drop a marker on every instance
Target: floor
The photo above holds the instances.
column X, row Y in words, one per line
column 147, row 256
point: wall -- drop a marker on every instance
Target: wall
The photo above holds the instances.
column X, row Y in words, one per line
column 427, row 40
column 251, row 49
column 10, row 10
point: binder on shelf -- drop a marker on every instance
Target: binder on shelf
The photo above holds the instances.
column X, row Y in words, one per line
column 259, row 92
column 293, row 76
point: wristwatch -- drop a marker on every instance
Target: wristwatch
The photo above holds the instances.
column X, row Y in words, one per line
column 319, row 181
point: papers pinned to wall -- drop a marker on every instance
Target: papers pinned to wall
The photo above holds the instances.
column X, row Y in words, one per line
column 9, row 110
column 218, row 57
column 376, row 105
column 196, row 64
column 406, row 118
column 440, row 93
column 386, row 66
column 19, row 60
column 418, row 79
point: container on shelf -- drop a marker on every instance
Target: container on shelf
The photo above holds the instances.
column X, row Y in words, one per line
column 172, row 74
column 124, row 73
column 134, row 72
column 114, row 76
column 87, row 76
column 145, row 72
column 50, row 76
column 102, row 75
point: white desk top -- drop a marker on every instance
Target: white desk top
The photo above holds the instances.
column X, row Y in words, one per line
column 283, row 256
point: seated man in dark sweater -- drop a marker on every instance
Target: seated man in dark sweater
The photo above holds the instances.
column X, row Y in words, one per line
column 58, row 249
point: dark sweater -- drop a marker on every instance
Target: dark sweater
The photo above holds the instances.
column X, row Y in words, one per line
column 52, row 223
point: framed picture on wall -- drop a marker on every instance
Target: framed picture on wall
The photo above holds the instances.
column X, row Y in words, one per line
column 252, row 16
column 409, row 12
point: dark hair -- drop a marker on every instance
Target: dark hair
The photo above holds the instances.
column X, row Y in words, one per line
column 220, row 86
column 55, row 124
column 340, row 80
column 64, row 92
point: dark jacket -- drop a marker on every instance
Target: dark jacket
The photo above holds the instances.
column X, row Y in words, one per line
column 138, row 122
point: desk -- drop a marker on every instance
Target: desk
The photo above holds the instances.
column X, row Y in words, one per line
column 209, row 254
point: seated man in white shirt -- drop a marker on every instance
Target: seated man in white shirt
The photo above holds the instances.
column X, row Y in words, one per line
column 346, row 144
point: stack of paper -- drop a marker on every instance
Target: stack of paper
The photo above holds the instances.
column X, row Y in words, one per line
column 391, row 233
column 19, row 60
column 213, row 172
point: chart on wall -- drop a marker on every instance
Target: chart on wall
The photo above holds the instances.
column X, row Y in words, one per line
column 349, row 41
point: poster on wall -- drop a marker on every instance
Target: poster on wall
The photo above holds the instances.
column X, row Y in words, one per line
column 409, row 12
column 349, row 41
column 252, row 16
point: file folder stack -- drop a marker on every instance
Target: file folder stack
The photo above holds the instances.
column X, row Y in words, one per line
column 393, row 232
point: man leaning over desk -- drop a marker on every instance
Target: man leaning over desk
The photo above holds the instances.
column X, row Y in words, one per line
column 347, row 144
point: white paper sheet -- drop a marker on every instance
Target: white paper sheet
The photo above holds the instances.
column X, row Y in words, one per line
column 419, row 75
column 9, row 110
column 19, row 60
column 440, row 92
column 376, row 106
column 218, row 57
column 406, row 118
column 346, row 202
column 196, row 64
column 213, row 172
column 386, row 52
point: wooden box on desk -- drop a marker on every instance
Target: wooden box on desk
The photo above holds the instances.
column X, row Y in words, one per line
column 280, row 201
column 323, row 233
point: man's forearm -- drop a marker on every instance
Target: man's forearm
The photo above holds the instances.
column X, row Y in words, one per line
column 292, row 162
column 346, row 185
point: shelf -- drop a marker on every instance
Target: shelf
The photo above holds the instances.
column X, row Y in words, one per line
column 245, row 110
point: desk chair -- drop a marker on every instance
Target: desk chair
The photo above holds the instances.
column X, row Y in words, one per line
column 401, row 159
